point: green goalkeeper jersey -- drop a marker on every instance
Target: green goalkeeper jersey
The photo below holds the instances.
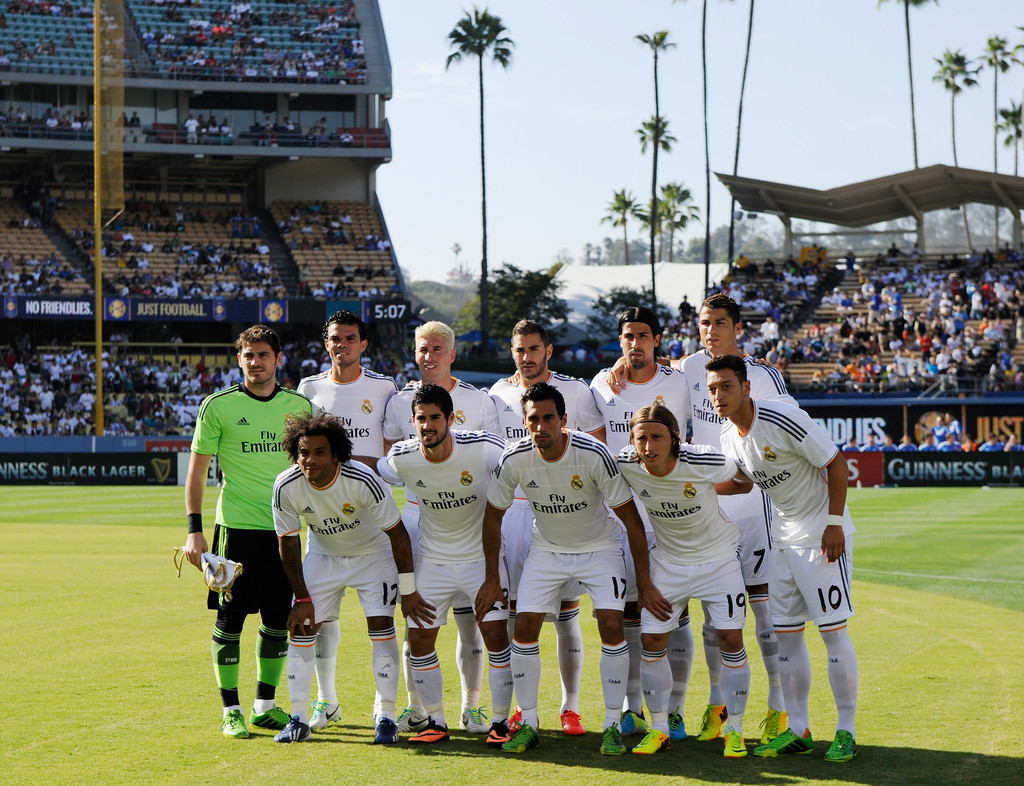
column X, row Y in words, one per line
column 245, row 432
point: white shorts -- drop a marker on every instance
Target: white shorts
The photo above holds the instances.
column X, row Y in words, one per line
column 546, row 575
column 516, row 531
column 448, row 584
column 411, row 520
column 805, row 586
column 752, row 513
column 718, row 584
column 631, row 594
column 373, row 576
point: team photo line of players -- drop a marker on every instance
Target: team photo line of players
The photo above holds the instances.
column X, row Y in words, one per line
column 519, row 500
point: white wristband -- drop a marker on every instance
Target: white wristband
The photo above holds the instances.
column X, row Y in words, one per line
column 834, row 521
column 406, row 583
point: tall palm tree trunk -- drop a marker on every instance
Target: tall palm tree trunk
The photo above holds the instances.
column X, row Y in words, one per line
column 910, row 73
column 485, row 311
column 963, row 207
column 625, row 240
column 739, row 124
column 707, row 154
column 654, row 182
column 995, row 152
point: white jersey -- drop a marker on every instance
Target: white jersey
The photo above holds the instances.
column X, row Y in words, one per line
column 341, row 519
column 784, row 453
column 474, row 411
column 665, row 387
column 567, row 495
column 452, row 493
column 581, row 410
column 360, row 405
column 683, row 505
column 766, row 384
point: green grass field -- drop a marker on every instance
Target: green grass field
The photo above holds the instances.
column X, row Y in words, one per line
column 107, row 678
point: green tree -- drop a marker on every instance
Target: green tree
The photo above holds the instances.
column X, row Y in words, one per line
column 522, row 294
column 603, row 322
column 475, row 35
column 1011, row 124
column 622, row 207
column 657, row 43
column 678, row 210
column 739, row 125
column 910, row 65
column 956, row 71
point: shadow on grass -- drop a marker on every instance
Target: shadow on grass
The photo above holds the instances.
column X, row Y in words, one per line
column 874, row 764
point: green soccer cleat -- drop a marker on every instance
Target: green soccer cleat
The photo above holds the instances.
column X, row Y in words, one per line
column 633, row 723
column 522, row 740
column 233, row 725
column 711, row 723
column 787, row 742
column 735, row 747
column 653, row 742
column 611, row 741
column 274, row 718
column 843, row 747
column 676, row 727
column 773, row 725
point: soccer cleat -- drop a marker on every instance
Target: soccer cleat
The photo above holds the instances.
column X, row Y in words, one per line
column 431, row 733
column 385, row 733
column 676, row 727
column 233, row 725
column 711, row 723
column 652, row 742
column 295, row 731
column 787, row 742
column 498, row 734
column 412, row 719
column 274, row 718
column 572, row 724
column 324, row 715
column 516, row 720
column 522, row 740
column 611, row 741
column 633, row 723
column 843, row 747
column 474, row 720
column 773, row 725
column 735, row 747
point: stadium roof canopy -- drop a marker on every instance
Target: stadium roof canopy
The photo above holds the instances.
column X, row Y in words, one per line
column 907, row 194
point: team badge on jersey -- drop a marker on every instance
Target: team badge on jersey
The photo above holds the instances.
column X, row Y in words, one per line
column 460, row 417
column 348, row 509
column 576, row 482
column 689, row 491
column 465, row 478
column 367, row 407
column 768, row 454
column 659, row 400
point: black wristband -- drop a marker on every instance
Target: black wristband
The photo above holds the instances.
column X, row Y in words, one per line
column 195, row 523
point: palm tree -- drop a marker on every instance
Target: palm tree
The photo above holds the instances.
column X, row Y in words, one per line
column 658, row 43
column 910, row 65
column 678, row 211
column 739, row 123
column 476, row 34
column 1011, row 124
column 999, row 58
column 956, row 72
column 622, row 207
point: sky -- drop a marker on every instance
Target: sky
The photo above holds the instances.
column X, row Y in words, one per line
column 827, row 104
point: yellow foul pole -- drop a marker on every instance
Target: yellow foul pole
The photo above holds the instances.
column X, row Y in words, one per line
column 97, row 205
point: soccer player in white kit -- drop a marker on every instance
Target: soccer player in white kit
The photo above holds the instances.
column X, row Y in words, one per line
column 474, row 411
column 695, row 558
column 795, row 462
column 570, row 479
column 356, row 396
column 451, row 471
column 648, row 383
column 531, row 352
column 346, row 547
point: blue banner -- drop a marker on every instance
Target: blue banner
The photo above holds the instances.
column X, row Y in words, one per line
column 47, row 307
